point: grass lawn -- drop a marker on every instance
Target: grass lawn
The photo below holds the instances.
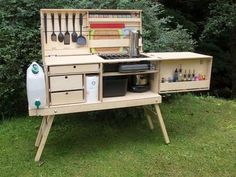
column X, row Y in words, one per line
column 202, row 132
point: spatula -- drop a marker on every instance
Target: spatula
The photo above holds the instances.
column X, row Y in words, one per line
column 53, row 36
column 60, row 35
column 74, row 34
column 67, row 34
column 81, row 40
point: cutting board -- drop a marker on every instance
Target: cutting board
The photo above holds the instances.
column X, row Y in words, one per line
column 104, row 32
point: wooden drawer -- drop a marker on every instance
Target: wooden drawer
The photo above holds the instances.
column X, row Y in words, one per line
column 67, row 97
column 68, row 82
column 73, row 69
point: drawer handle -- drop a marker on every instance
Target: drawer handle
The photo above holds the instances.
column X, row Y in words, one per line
column 67, row 93
column 74, row 66
column 66, row 77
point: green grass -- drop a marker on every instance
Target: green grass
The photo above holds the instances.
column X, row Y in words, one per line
column 202, row 131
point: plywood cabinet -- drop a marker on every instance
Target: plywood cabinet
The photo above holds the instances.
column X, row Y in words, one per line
column 195, row 75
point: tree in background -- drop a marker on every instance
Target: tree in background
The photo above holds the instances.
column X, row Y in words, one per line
column 218, row 39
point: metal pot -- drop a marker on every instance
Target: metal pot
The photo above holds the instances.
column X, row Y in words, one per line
column 134, row 43
column 140, row 79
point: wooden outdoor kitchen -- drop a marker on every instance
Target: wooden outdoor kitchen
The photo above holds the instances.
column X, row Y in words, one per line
column 93, row 60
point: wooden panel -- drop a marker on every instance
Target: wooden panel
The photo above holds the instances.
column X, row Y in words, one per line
column 178, row 55
column 90, row 10
column 110, row 43
column 67, row 82
column 79, row 59
column 106, row 34
column 57, row 48
column 73, row 69
column 114, row 19
column 67, row 97
column 186, row 86
column 126, row 74
column 130, row 100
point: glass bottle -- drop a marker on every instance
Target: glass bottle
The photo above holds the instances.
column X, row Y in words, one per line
column 180, row 76
column 175, row 78
column 189, row 76
column 193, row 75
column 185, row 75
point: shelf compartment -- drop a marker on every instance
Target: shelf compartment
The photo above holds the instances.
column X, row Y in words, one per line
column 184, row 86
column 199, row 65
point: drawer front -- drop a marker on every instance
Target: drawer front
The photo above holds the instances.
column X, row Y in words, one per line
column 68, row 82
column 67, row 97
column 74, row 69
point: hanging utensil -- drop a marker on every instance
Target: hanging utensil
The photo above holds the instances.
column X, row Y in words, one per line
column 74, row 35
column 67, row 34
column 45, row 27
column 81, row 40
column 53, row 36
column 60, row 35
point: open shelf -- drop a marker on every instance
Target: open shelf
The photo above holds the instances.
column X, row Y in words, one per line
column 125, row 74
column 198, row 66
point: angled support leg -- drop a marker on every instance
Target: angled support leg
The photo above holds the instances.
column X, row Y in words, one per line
column 162, row 124
column 40, row 133
column 44, row 135
column 149, row 119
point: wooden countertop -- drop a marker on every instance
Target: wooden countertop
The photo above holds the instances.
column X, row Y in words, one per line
column 89, row 59
column 177, row 55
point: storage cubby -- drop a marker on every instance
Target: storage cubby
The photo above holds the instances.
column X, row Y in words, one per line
column 197, row 72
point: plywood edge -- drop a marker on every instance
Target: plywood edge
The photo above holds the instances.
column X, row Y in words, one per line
column 91, row 10
column 162, row 56
column 73, row 108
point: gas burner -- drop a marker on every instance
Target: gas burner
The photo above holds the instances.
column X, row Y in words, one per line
column 119, row 56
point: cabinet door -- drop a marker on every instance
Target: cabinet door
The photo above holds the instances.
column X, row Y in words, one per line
column 200, row 67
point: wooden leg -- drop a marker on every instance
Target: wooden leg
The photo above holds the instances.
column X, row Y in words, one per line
column 149, row 119
column 45, row 132
column 162, row 124
column 39, row 137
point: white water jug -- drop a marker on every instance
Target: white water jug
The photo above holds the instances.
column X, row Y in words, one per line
column 36, row 90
